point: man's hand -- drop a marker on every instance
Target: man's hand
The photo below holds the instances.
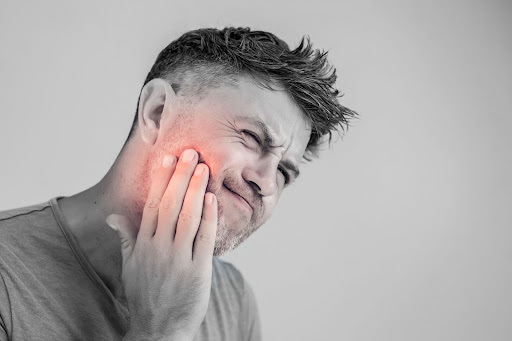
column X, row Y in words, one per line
column 167, row 265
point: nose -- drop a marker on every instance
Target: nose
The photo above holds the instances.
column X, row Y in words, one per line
column 262, row 176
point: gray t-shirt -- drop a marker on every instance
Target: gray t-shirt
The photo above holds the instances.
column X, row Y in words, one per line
column 50, row 291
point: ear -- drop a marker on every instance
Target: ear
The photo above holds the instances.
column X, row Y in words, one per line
column 156, row 100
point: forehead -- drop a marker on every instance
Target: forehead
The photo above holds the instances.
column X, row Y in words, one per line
column 251, row 104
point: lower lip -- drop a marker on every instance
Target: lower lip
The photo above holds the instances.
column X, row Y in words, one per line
column 240, row 200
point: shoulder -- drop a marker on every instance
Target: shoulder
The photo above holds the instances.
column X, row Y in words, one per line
column 16, row 221
column 25, row 226
column 21, row 211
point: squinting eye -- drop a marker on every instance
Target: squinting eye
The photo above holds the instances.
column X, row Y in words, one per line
column 252, row 135
column 285, row 174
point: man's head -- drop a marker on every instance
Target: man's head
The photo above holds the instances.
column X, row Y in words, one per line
column 251, row 107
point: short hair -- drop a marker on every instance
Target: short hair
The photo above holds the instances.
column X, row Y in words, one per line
column 210, row 57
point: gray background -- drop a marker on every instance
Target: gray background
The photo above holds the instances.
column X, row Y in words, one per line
column 401, row 231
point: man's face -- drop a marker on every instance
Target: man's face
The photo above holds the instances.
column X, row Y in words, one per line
column 253, row 140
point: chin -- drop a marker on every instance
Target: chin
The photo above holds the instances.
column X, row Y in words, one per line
column 229, row 236
column 236, row 221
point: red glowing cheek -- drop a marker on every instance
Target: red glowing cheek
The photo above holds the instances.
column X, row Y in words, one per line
column 208, row 138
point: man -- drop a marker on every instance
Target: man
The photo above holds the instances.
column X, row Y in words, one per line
column 223, row 121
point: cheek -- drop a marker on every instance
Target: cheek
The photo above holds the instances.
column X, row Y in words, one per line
column 226, row 157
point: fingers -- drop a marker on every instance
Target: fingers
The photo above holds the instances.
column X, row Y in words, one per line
column 190, row 215
column 179, row 214
column 205, row 238
column 174, row 196
column 158, row 185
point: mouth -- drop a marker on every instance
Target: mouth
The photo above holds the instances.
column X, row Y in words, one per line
column 240, row 199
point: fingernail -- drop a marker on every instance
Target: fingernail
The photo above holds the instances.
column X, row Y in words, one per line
column 188, row 155
column 209, row 198
column 114, row 227
column 109, row 223
column 168, row 161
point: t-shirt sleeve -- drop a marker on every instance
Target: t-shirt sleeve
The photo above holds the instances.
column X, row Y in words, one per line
column 251, row 314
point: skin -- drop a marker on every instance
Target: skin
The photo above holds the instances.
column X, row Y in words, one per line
column 167, row 260
column 214, row 127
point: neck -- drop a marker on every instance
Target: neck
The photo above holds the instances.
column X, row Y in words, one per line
column 118, row 192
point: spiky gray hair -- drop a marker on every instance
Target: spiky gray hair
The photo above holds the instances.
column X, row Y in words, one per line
column 209, row 57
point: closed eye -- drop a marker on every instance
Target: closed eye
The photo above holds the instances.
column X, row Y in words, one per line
column 252, row 135
column 257, row 140
column 285, row 174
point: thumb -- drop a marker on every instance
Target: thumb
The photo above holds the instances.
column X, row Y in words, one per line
column 126, row 231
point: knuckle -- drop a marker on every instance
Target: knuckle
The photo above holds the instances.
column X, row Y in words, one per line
column 153, row 202
column 188, row 217
column 168, row 203
column 204, row 237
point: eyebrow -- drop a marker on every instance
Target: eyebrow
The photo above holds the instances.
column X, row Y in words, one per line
column 269, row 140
